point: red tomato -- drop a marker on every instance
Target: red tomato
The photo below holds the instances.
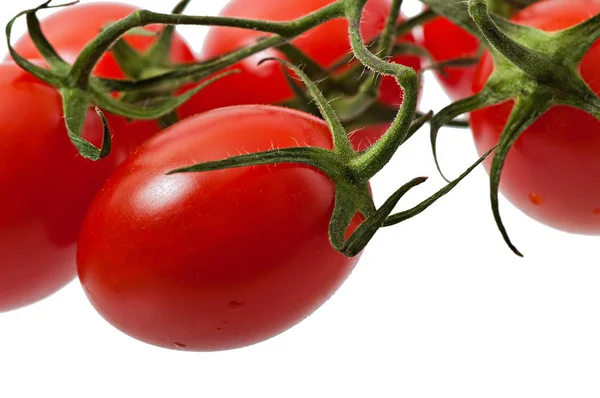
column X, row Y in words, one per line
column 446, row 41
column 215, row 260
column 266, row 84
column 547, row 171
column 46, row 185
column 68, row 35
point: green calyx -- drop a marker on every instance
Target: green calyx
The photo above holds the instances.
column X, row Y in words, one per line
column 537, row 70
column 81, row 91
column 349, row 170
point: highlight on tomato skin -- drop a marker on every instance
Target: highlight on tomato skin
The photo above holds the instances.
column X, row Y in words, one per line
column 550, row 171
column 326, row 44
column 214, row 260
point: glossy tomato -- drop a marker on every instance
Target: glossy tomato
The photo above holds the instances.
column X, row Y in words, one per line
column 215, row 260
column 266, row 84
column 446, row 41
column 46, row 185
column 70, row 29
column 549, row 172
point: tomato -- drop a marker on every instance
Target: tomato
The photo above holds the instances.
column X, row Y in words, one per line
column 445, row 41
column 46, row 185
column 549, row 172
column 45, row 189
column 215, row 260
column 266, row 84
column 70, row 29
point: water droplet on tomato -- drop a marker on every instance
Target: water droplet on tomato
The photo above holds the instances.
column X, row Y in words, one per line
column 535, row 198
column 235, row 305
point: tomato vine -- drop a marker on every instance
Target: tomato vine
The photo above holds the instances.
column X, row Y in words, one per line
column 539, row 81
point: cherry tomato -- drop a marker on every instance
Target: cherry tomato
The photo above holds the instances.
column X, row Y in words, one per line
column 69, row 35
column 445, row 41
column 549, row 172
column 46, row 185
column 215, row 260
column 266, row 84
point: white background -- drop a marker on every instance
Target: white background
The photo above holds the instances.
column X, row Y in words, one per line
column 437, row 307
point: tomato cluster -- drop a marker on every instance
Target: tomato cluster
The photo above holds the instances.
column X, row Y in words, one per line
column 228, row 258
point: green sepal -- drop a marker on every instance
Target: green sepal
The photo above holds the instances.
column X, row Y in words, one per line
column 535, row 69
column 149, row 110
column 418, row 209
column 76, row 105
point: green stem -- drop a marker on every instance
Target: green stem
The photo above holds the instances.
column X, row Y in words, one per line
column 192, row 73
column 534, row 63
column 378, row 155
column 402, row 29
column 160, row 52
column 91, row 54
column 386, row 41
column 384, row 50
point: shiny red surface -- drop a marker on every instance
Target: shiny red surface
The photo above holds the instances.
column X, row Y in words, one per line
column 214, row 260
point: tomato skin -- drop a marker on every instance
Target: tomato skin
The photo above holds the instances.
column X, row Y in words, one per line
column 326, row 44
column 445, row 41
column 216, row 260
column 46, row 188
column 50, row 185
column 549, row 172
column 69, row 37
